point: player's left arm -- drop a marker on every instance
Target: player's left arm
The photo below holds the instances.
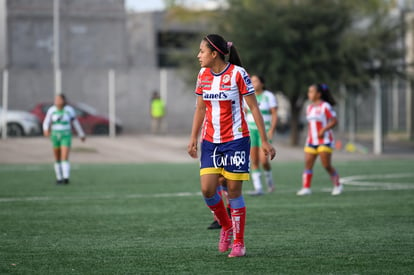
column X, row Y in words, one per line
column 332, row 121
column 273, row 111
column 258, row 119
column 273, row 124
column 76, row 124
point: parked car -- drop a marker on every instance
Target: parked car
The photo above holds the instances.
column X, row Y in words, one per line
column 91, row 122
column 20, row 123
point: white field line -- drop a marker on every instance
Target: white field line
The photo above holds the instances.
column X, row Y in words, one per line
column 30, row 168
column 370, row 181
column 357, row 181
column 132, row 196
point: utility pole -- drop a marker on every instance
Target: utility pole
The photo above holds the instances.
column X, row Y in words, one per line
column 378, row 135
column 56, row 47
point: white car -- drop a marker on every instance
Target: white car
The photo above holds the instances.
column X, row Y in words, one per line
column 20, row 123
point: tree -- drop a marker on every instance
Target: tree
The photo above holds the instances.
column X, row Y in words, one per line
column 295, row 43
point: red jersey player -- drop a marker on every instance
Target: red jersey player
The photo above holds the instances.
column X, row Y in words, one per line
column 225, row 145
column 321, row 119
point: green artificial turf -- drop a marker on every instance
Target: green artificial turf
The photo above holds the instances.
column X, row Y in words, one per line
column 151, row 219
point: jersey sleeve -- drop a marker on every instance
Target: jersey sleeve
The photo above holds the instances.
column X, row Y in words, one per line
column 244, row 83
column 199, row 87
column 71, row 112
column 272, row 100
column 329, row 111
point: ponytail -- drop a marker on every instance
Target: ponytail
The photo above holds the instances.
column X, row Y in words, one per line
column 326, row 94
column 234, row 57
column 217, row 43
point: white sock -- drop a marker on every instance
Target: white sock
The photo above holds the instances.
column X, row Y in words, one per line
column 268, row 177
column 58, row 170
column 66, row 169
column 256, row 181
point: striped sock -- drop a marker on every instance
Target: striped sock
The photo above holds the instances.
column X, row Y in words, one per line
column 238, row 217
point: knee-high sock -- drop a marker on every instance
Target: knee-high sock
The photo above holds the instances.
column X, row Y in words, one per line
column 256, row 180
column 268, row 177
column 65, row 169
column 58, row 170
column 238, row 217
column 335, row 178
column 216, row 206
column 307, row 178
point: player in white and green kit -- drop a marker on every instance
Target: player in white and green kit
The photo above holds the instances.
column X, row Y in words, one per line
column 58, row 126
column 268, row 107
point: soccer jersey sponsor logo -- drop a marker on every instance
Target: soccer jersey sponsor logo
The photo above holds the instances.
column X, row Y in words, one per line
column 238, row 159
column 236, row 222
column 226, row 78
column 247, row 80
column 220, row 95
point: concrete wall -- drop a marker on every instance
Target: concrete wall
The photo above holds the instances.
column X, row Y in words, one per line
column 134, row 89
column 96, row 35
column 92, row 33
column 142, row 44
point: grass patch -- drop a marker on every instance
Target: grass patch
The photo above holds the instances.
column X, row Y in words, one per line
column 150, row 218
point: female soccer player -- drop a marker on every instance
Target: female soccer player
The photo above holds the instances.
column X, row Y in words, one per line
column 58, row 125
column 225, row 146
column 321, row 119
column 268, row 107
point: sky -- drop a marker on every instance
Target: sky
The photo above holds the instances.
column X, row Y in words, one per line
column 156, row 5
column 145, row 5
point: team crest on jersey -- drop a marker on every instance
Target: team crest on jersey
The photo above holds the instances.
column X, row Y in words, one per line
column 226, row 78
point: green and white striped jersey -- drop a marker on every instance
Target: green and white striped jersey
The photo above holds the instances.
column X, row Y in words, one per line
column 266, row 101
column 61, row 120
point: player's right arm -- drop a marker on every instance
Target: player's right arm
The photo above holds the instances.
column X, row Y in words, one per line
column 198, row 119
column 47, row 122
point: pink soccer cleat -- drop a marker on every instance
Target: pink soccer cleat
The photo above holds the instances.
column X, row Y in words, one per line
column 226, row 237
column 238, row 250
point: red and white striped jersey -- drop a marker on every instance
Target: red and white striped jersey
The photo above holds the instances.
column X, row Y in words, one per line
column 318, row 117
column 223, row 95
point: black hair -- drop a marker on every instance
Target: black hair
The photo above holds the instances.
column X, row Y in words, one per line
column 63, row 97
column 217, row 43
column 261, row 79
column 326, row 94
column 155, row 95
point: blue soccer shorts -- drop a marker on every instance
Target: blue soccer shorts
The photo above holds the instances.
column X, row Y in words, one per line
column 230, row 159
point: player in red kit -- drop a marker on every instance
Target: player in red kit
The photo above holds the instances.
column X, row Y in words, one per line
column 225, row 142
column 321, row 119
